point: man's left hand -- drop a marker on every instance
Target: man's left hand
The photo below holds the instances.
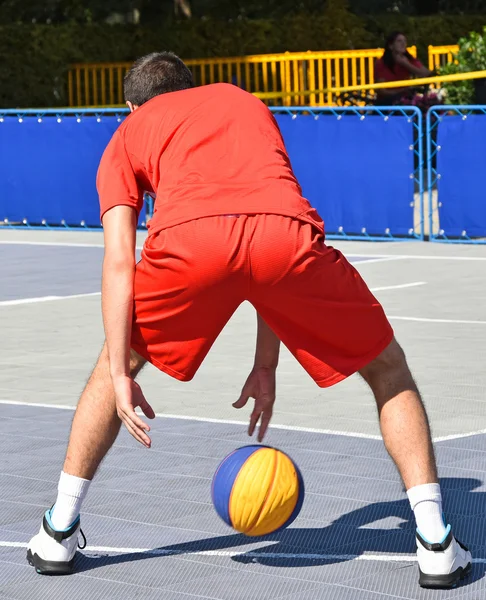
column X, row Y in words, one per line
column 260, row 386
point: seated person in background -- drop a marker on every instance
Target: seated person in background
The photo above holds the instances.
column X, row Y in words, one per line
column 397, row 64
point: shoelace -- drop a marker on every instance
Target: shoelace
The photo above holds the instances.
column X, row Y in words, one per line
column 84, row 540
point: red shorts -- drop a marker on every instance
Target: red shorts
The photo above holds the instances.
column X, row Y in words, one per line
column 192, row 278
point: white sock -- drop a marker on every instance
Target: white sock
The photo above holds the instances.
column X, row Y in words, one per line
column 71, row 493
column 426, row 503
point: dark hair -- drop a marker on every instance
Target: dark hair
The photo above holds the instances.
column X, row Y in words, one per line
column 155, row 74
column 388, row 57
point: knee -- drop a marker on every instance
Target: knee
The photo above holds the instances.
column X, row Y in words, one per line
column 136, row 363
column 391, row 362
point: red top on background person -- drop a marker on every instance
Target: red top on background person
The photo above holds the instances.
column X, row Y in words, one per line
column 397, row 64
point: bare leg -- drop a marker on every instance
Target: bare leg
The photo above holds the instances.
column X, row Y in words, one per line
column 95, row 425
column 403, row 420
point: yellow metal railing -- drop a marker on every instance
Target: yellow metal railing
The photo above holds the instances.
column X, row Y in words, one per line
column 101, row 84
column 291, row 73
column 291, row 78
column 96, row 84
column 422, row 81
column 441, row 55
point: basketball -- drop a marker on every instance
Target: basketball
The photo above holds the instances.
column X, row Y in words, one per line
column 257, row 490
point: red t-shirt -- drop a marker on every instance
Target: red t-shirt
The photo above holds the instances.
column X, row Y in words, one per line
column 399, row 73
column 205, row 151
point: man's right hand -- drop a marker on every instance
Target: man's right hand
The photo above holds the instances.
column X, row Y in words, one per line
column 129, row 395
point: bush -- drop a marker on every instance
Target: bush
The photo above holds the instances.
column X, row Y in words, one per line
column 35, row 58
column 460, row 92
column 470, row 57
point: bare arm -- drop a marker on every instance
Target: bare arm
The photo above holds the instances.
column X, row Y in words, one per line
column 260, row 384
column 419, row 71
column 389, row 91
column 119, row 225
column 267, row 346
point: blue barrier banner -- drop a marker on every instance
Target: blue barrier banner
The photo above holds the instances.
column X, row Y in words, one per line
column 48, row 168
column 461, row 167
column 357, row 166
column 357, row 171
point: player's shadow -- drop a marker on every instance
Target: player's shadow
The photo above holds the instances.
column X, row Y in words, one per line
column 349, row 536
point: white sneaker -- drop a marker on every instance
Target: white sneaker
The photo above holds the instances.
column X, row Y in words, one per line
column 52, row 552
column 443, row 565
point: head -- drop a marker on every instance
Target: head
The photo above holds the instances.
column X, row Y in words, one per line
column 395, row 43
column 155, row 74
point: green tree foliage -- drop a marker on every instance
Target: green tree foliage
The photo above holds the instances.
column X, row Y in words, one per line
column 155, row 11
column 471, row 57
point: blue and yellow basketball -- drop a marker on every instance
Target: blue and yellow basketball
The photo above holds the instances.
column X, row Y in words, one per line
column 257, row 490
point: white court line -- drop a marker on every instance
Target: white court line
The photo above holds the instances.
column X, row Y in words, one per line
column 249, row 553
column 372, row 260
column 424, row 320
column 378, row 257
column 459, row 436
column 69, row 244
column 51, row 298
column 417, row 256
column 399, row 287
column 230, row 553
column 34, row 404
column 45, row 299
column 365, row 436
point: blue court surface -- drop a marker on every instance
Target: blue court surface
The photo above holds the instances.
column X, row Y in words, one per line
column 151, row 529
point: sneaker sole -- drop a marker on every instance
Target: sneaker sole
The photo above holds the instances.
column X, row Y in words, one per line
column 49, row 567
column 444, row 582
